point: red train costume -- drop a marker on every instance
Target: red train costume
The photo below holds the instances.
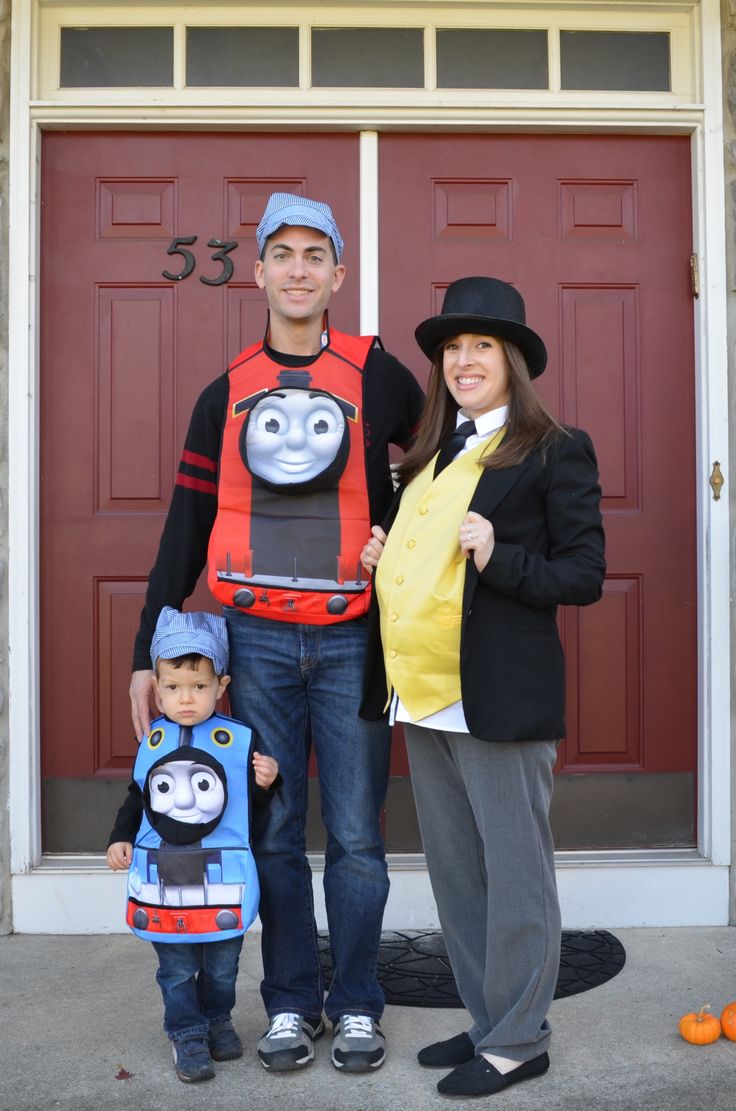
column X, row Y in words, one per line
column 293, row 510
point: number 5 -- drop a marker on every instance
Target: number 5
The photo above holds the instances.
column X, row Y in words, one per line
column 188, row 257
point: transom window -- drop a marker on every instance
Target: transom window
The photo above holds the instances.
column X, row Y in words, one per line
column 363, row 57
column 341, row 55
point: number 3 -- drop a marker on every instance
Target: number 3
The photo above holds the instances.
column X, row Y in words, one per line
column 226, row 274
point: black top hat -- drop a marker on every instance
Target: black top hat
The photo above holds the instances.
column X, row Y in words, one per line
column 485, row 307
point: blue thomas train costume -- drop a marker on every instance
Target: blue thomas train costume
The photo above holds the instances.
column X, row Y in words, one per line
column 192, row 876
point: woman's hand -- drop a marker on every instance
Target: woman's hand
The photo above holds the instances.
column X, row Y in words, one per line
column 476, row 539
column 371, row 553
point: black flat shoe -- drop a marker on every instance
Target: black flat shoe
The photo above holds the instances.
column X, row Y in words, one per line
column 479, row 1078
column 447, row 1053
column 443, row 1055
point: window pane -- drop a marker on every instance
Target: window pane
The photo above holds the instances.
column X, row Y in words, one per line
column 492, row 59
column 615, row 60
column 368, row 57
column 116, row 56
column 253, row 56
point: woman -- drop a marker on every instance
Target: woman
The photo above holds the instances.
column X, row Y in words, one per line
column 486, row 540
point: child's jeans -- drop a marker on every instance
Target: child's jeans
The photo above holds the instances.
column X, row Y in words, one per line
column 197, row 981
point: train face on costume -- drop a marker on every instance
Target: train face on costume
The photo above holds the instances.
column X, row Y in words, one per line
column 186, row 791
column 292, row 500
column 293, row 436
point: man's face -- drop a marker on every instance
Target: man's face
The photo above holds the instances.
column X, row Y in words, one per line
column 298, row 273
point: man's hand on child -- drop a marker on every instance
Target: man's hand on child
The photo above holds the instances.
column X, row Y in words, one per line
column 141, row 687
column 265, row 769
column 119, row 856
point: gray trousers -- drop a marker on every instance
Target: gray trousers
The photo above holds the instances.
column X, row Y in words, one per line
column 483, row 813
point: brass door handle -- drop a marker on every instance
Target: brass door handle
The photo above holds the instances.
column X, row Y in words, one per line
column 717, row 481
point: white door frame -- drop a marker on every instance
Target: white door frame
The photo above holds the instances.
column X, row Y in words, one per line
column 73, row 894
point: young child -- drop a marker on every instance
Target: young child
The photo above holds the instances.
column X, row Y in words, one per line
column 183, row 835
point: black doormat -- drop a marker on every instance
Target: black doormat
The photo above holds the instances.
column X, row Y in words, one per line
column 414, row 971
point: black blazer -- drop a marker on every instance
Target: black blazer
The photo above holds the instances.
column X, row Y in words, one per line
column 549, row 551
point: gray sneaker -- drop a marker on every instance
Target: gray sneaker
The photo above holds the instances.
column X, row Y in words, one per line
column 289, row 1042
column 192, row 1059
column 358, row 1044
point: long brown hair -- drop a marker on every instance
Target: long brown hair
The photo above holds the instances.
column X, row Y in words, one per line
column 530, row 424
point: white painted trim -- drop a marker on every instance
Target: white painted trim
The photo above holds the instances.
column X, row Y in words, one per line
column 603, row 889
column 571, row 117
column 23, row 655
column 645, row 895
column 63, row 899
column 369, row 303
column 712, row 442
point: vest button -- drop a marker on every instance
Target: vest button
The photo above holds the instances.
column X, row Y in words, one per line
column 411, row 544
column 394, row 617
column 393, row 653
column 399, row 580
column 424, row 510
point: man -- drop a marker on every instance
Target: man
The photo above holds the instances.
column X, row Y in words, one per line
column 284, row 470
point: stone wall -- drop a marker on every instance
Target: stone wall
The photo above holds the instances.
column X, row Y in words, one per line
column 5, row 909
column 728, row 30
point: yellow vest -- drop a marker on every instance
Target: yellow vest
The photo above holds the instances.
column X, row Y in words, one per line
column 419, row 582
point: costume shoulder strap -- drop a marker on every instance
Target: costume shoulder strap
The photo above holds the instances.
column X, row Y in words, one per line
column 245, row 354
column 354, row 349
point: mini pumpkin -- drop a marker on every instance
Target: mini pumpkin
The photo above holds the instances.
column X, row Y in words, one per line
column 728, row 1021
column 700, row 1028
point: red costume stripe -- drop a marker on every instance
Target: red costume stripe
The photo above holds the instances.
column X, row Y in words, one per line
column 200, row 484
column 196, row 460
column 182, row 920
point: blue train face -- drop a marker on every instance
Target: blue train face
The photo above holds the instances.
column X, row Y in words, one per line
column 185, row 792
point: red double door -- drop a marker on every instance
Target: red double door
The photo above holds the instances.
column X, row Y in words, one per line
column 147, row 292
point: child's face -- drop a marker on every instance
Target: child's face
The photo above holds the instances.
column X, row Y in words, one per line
column 188, row 695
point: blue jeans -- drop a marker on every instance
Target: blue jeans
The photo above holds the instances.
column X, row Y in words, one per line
column 197, row 982
column 298, row 685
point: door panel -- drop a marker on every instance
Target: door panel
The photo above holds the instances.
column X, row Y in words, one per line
column 595, row 232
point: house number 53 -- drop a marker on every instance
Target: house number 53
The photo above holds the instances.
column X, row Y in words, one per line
column 179, row 246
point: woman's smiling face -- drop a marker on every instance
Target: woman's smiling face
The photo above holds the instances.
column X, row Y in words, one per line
column 476, row 373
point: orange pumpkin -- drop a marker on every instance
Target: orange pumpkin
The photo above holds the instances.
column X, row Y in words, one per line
column 700, row 1028
column 728, row 1021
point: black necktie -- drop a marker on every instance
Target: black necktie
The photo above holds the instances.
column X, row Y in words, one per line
column 451, row 447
